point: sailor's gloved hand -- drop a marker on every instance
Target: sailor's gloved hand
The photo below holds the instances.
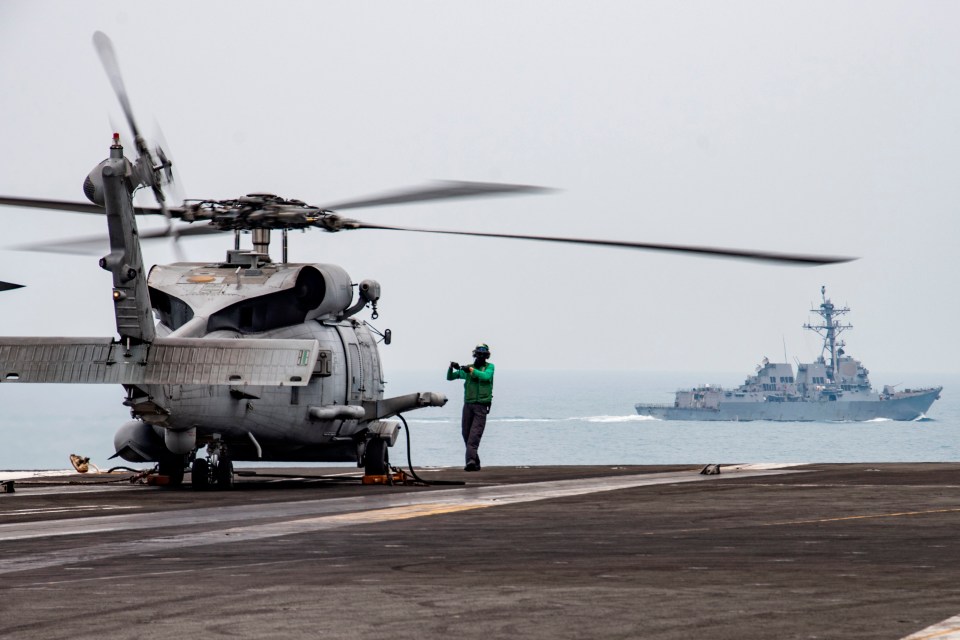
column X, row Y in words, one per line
column 454, row 366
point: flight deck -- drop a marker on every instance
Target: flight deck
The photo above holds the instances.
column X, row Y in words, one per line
column 756, row 551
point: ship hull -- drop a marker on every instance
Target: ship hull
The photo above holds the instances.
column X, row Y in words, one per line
column 902, row 408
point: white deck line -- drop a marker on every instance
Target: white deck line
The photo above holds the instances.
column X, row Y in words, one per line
column 20, row 475
column 949, row 629
column 305, row 517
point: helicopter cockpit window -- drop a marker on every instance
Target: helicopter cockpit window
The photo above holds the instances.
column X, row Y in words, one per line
column 173, row 312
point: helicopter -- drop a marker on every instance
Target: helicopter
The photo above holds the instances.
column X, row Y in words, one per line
column 246, row 358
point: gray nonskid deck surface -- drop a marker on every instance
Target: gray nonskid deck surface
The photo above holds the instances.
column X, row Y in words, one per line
column 820, row 551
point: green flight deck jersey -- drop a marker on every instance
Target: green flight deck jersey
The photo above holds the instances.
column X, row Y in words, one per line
column 478, row 387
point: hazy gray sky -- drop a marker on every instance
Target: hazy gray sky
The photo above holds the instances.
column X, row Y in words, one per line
column 823, row 127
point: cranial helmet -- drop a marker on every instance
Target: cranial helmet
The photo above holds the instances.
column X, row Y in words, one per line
column 481, row 351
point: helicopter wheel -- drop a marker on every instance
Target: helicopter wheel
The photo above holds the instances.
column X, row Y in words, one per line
column 223, row 473
column 172, row 467
column 200, row 474
column 376, row 459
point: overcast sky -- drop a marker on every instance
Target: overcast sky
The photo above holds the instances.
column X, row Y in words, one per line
column 817, row 127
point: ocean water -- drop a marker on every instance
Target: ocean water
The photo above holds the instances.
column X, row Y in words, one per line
column 538, row 417
column 588, row 417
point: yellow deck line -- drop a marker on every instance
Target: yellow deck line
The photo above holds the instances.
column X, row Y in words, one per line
column 862, row 517
column 399, row 513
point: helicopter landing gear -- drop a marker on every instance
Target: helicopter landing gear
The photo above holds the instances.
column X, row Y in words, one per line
column 376, row 459
column 173, row 468
column 215, row 471
column 223, row 473
column 200, row 474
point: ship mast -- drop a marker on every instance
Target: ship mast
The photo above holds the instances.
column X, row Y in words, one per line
column 830, row 330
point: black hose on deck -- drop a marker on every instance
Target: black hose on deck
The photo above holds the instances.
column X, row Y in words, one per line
column 413, row 473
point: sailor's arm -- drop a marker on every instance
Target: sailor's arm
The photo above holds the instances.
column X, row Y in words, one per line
column 485, row 375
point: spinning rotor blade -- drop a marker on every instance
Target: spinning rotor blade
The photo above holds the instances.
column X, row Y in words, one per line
column 443, row 190
column 743, row 254
column 80, row 207
column 152, row 174
column 94, row 245
column 108, row 58
column 61, row 205
column 186, row 231
column 173, row 180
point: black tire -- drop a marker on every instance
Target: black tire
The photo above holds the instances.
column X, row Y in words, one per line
column 224, row 473
column 173, row 468
column 376, row 460
column 200, row 474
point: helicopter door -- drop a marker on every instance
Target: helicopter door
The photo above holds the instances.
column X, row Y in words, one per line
column 356, row 371
column 370, row 359
column 364, row 381
column 354, row 364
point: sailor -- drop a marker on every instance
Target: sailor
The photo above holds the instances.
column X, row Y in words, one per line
column 477, row 396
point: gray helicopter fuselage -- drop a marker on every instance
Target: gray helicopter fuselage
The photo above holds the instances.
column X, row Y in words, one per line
column 252, row 301
column 253, row 359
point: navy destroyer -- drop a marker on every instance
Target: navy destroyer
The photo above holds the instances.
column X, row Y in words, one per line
column 834, row 388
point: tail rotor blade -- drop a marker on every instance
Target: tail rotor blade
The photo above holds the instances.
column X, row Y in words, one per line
column 151, row 173
column 108, row 58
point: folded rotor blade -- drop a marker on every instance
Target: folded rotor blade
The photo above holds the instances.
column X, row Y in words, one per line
column 8, row 286
column 442, row 190
column 714, row 252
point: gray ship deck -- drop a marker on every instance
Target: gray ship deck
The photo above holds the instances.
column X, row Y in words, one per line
column 819, row 551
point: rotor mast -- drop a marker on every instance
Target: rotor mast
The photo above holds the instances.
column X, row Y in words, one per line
column 261, row 241
column 830, row 329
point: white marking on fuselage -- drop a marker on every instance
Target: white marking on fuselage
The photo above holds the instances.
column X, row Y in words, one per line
column 307, row 516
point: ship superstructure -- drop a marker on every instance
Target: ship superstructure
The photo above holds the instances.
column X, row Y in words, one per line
column 836, row 387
